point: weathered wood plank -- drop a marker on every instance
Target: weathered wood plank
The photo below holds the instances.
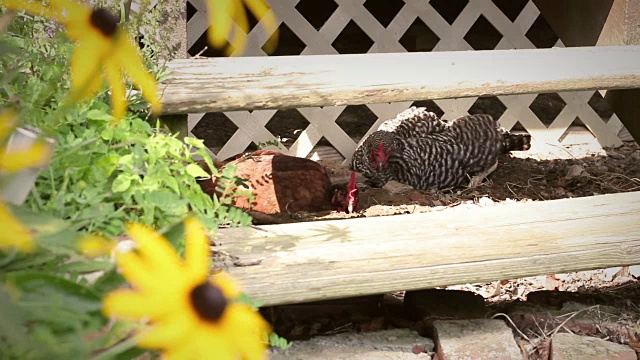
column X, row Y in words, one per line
column 226, row 84
column 341, row 258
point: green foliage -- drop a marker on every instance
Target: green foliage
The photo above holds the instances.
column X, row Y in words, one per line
column 276, row 341
column 102, row 176
column 264, row 144
column 49, row 300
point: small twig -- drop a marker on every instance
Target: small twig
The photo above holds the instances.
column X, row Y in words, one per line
column 201, row 52
column 567, row 151
column 555, row 331
column 514, row 326
column 338, row 329
column 508, row 187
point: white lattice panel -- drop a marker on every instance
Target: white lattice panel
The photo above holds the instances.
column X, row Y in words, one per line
column 322, row 121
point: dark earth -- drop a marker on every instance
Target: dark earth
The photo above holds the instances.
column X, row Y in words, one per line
column 520, row 177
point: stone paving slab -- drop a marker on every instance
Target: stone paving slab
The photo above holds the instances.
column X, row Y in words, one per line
column 477, row 339
column 565, row 346
column 396, row 344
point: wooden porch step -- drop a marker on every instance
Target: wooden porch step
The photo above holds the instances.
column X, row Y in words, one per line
column 342, row 258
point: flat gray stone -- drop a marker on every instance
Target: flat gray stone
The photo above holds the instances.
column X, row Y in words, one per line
column 396, row 344
column 476, row 339
column 565, row 346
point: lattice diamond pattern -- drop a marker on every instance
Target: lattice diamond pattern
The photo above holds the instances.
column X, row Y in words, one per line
column 448, row 31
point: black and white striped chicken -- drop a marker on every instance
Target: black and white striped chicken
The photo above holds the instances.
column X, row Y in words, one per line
column 419, row 149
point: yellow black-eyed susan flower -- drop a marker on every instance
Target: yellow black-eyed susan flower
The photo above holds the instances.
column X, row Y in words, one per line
column 103, row 48
column 191, row 316
column 222, row 14
column 94, row 245
column 14, row 235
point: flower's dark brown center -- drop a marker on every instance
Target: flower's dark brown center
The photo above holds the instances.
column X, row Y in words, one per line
column 103, row 20
column 208, row 301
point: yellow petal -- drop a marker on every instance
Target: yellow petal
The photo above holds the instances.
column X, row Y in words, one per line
column 197, row 250
column 239, row 40
column 226, row 283
column 262, row 12
column 247, row 328
column 73, row 10
column 13, row 234
column 36, row 155
column 131, row 61
column 33, row 7
column 117, row 87
column 219, row 12
column 7, row 122
column 86, row 69
column 138, row 272
column 133, row 305
column 167, row 333
column 206, row 345
column 154, row 248
column 94, row 245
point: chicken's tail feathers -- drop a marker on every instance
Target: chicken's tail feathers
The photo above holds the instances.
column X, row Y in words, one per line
column 515, row 142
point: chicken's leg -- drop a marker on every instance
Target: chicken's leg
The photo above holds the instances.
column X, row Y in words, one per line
column 478, row 179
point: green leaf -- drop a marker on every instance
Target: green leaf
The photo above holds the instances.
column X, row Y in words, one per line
column 176, row 236
column 245, row 299
column 121, row 183
column 196, row 171
column 11, row 326
column 196, row 143
column 100, row 115
column 84, row 266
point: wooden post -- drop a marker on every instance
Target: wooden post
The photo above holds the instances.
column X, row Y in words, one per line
column 602, row 23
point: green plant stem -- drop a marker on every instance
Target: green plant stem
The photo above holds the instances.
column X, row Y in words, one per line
column 122, row 346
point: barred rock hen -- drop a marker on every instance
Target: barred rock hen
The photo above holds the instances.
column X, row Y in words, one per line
column 419, row 149
column 282, row 183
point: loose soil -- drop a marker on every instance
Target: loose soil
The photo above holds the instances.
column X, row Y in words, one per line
column 585, row 170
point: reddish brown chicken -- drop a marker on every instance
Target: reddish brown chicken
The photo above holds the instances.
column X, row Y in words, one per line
column 282, row 183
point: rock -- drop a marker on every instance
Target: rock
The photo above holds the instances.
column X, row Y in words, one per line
column 396, row 188
column 614, row 155
column 440, row 303
column 565, row 346
column 396, row 344
column 575, row 171
column 635, row 155
column 475, row 340
column 485, row 201
column 416, row 196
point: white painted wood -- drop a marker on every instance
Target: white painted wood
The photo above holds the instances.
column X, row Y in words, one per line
column 226, row 84
column 318, row 41
column 331, row 259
